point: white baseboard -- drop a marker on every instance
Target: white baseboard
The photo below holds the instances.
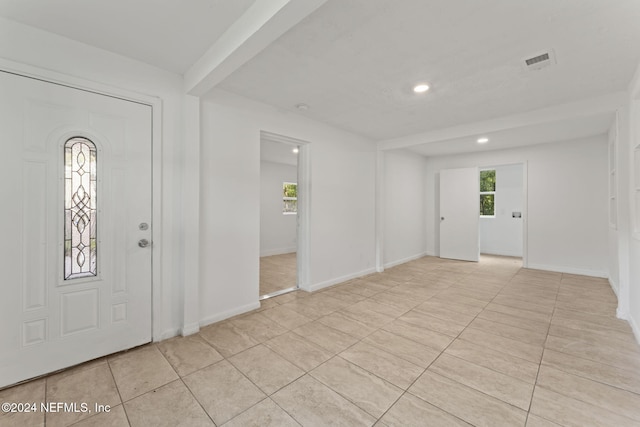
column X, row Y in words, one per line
column 166, row 334
column 634, row 327
column 229, row 313
column 622, row 314
column 569, row 270
column 190, row 329
column 615, row 287
column 335, row 281
column 430, row 253
column 403, row 260
column 501, row 253
column 278, row 251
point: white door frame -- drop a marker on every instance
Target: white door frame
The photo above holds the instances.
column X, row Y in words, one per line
column 304, row 198
column 379, row 210
column 155, row 103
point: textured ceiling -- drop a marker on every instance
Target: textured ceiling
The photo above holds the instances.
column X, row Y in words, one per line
column 354, row 61
column 169, row 34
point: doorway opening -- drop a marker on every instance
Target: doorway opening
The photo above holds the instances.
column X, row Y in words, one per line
column 282, row 206
column 501, row 210
column 483, row 213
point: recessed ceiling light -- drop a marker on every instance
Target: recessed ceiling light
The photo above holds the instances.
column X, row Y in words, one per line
column 295, row 150
column 421, row 88
column 483, row 140
column 302, row 107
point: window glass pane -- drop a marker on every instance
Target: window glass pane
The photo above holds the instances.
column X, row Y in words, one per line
column 80, row 208
column 487, row 206
column 289, row 197
column 290, row 189
column 488, row 180
column 290, row 206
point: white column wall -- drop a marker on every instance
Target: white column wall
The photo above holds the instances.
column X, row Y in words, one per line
column 628, row 232
column 404, row 207
column 342, row 198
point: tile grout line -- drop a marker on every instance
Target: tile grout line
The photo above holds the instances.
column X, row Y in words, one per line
column 404, row 390
column 578, row 375
column 544, row 346
column 181, row 379
column 360, row 340
column 423, row 372
column 118, row 390
column 464, row 385
column 458, row 286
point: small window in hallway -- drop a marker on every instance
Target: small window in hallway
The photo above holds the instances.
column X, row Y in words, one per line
column 487, row 192
column 289, row 198
column 80, row 211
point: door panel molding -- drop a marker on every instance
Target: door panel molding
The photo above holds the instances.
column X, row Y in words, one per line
column 158, row 233
column 73, row 323
column 459, row 214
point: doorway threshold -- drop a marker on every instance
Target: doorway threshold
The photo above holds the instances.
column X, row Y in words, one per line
column 278, row 293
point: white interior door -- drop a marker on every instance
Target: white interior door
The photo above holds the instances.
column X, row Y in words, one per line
column 459, row 214
column 76, row 193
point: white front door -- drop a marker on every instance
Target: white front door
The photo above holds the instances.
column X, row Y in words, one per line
column 76, row 202
column 459, row 214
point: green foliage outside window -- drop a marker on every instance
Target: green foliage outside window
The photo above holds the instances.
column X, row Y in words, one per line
column 290, row 189
column 487, row 206
column 289, row 198
column 488, row 180
column 487, row 192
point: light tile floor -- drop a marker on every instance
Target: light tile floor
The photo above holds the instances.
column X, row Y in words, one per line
column 277, row 272
column 427, row 343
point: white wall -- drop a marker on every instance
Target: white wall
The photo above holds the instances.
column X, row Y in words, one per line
column 567, row 209
column 277, row 231
column 342, row 201
column 502, row 235
column 624, row 239
column 614, row 223
column 634, row 187
column 404, row 207
column 27, row 45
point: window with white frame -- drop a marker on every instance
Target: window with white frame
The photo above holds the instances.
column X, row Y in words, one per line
column 488, row 193
column 289, row 198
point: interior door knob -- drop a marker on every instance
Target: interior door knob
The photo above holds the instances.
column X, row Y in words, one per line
column 143, row 243
column 441, row 218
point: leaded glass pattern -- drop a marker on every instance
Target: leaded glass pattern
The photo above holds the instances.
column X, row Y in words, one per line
column 80, row 209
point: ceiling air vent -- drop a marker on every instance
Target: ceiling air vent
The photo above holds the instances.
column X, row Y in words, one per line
column 540, row 60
